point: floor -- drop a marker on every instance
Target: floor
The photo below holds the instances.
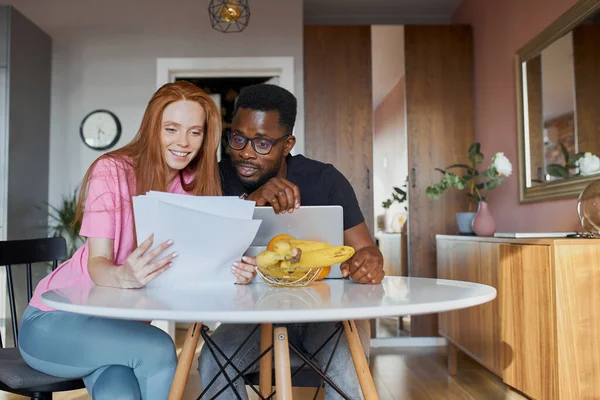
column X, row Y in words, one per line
column 399, row 374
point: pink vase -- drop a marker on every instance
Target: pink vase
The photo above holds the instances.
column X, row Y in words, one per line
column 484, row 223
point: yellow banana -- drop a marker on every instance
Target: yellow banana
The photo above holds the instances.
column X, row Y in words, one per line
column 289, row 258
column 268, row 258
column 282, row 247
column 282, row 269
column 309, row 245
column 286, row 267
column 324, row 257
column 285, row 246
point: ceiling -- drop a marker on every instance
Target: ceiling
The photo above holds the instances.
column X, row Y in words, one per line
column 365, row 12
column 378, row 11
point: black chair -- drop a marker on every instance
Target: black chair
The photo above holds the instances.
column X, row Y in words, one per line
column 15, row 375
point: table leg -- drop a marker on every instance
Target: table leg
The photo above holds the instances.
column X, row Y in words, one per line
column 266, row 363
column 283, row 375
column 360, row 362
column 185, row 361
column 374, row 324
column 452, row 359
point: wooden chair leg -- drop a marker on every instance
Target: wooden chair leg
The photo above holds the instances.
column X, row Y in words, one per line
column 266, row 363
column 185, row 361
column 283, row 375
column 360, row 362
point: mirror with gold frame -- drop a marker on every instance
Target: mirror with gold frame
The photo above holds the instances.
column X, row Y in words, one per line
column 558, row 106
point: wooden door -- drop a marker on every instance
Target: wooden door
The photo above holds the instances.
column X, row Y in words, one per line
column 528, row 319
column 577, row 278
column 439, row 113
column 338, row 105
column 476, row 330
column 458, row 260
column 491, row 345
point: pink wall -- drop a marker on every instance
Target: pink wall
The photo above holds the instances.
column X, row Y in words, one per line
column 500, row 28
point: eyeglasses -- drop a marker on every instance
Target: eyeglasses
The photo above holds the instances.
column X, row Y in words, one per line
column 261, row 145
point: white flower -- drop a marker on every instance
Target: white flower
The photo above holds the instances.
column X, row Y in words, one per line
column 502, row 164
column 589, row 164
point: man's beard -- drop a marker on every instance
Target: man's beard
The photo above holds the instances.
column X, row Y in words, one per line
column 263, row 176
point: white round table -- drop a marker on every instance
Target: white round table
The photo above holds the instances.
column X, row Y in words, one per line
column 327, row 300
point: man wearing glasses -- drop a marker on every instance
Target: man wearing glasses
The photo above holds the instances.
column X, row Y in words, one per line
column 262, row 169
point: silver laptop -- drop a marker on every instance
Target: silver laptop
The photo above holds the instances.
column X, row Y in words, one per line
column 322, row 223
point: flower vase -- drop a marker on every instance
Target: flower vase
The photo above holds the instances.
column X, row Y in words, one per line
column 484, row 223
column 464, row 220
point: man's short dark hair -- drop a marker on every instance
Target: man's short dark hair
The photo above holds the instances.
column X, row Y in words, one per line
column 267, row 97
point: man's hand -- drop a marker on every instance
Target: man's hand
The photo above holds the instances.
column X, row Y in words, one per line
column 366, row 266
column 279, row 193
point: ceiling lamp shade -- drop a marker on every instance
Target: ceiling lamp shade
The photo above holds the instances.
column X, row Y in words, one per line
column 229, row 15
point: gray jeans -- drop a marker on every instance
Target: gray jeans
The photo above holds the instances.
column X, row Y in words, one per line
column 307, row 337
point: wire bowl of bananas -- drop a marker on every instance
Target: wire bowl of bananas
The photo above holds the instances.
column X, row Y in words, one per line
column 288, row 262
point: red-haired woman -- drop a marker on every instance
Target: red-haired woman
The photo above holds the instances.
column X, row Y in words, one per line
column 174, row 151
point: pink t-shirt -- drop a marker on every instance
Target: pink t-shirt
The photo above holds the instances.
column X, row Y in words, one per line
column 107, row 214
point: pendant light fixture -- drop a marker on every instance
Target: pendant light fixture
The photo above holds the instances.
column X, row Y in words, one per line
column 229, row 15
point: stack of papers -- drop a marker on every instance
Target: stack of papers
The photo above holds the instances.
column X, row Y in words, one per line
column 208, row 233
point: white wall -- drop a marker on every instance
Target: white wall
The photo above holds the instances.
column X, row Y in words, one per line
column 104, row 56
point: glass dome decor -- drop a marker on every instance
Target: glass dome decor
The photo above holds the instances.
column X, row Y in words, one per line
column 588, row 209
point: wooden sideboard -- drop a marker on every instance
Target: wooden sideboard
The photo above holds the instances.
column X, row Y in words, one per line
column 541, row 335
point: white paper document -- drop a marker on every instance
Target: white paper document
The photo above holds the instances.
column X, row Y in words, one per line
column 224, row 206
column 533, row 235
column 208, row 233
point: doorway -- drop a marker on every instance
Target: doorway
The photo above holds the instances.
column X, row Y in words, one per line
column 278, row 70
column 390, row 160
column 438, row 110
column 224, row 92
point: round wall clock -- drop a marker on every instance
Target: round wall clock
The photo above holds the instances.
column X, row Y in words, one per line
column 100, row 129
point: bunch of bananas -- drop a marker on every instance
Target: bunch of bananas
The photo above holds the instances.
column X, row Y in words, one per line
column 292, row 262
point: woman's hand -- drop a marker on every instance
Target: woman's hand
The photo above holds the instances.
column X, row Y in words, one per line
column 244, row 271
column 139, row 269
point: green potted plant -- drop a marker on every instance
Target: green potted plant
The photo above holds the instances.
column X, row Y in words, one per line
column 62, row 217
column 477, row 184
column 400, row 196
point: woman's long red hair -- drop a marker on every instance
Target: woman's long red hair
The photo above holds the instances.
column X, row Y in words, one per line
column 144, row 153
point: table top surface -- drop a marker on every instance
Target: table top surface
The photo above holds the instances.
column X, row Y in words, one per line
column 327, row 300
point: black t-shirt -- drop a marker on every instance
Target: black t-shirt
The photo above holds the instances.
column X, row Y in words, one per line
column 320, row 185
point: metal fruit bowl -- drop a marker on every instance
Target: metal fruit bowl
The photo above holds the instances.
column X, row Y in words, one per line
column 282, row 279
